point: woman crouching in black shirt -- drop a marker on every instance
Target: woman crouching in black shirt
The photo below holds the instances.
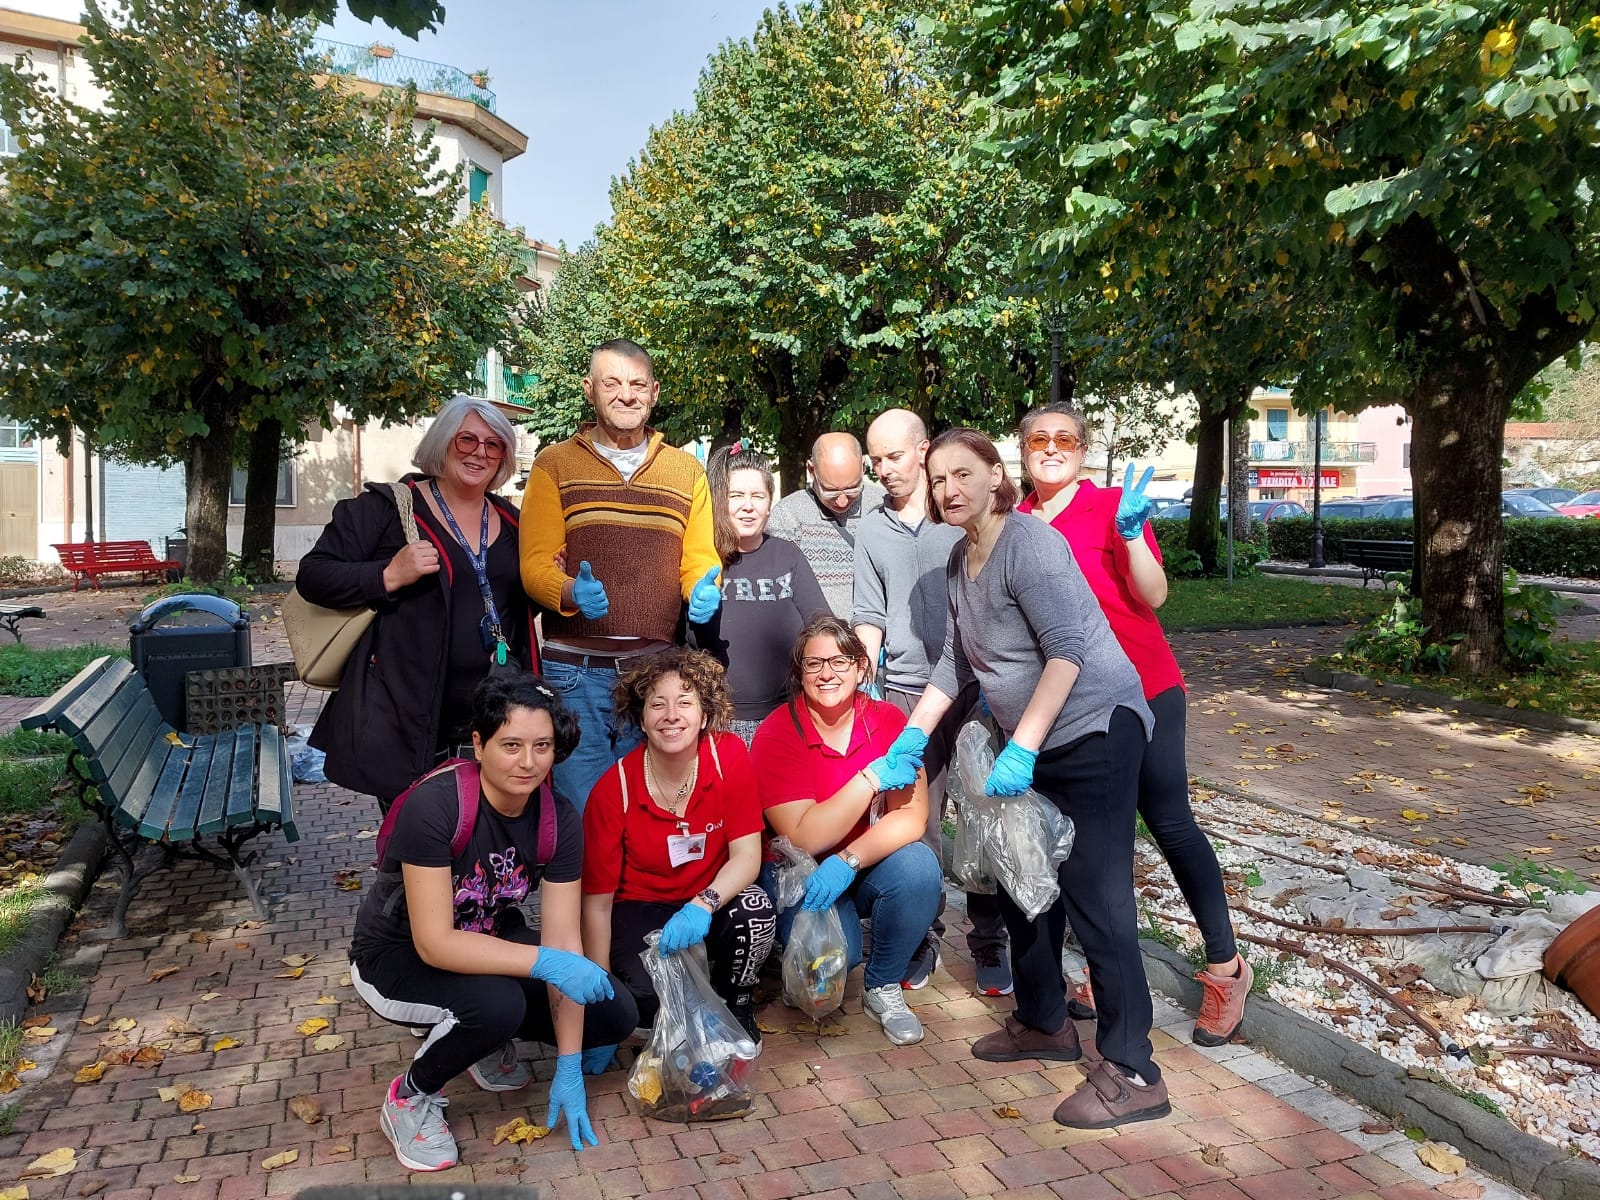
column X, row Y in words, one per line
column 441, row 941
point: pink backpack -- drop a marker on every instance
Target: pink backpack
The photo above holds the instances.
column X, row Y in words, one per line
column 466, row 773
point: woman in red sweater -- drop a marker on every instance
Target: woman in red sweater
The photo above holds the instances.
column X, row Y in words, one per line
column 1109, row 532
column 672, row 839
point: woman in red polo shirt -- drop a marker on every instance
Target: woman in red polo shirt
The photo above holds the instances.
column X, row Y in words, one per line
column 1109, row 532
column 820, row 761
column 672, row 839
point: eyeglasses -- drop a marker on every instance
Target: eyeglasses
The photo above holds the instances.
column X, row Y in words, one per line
column 1066, row 442
column 831, row 494
column 839, row 663
column 468, row 444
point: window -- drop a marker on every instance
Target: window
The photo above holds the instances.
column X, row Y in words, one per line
column 1277, row 424
column 477, row 185
column 13, row 436
column 8, row 142
column 285, row 485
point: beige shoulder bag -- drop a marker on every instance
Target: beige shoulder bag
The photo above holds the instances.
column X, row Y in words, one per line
column 322, row 639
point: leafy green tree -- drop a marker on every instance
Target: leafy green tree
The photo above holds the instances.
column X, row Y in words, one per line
column 410, row 17
column 1428, row 168
column 576, row 314
column 229, row 247
column 806, row 247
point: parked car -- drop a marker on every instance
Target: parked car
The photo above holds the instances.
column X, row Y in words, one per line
column 1553, row 496
column 1367, row 506
column 1586, row 504
column 1400, row 506
column 1174, row 512
column 1271, row 510
column 1524, row 504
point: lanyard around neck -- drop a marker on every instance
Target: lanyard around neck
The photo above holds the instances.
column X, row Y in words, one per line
column 480, row 567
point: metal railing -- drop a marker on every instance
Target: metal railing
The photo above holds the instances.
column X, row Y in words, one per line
column 1301, row 452
column 401, row 70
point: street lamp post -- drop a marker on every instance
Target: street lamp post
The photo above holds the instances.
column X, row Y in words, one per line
column 1316, row 497
column 1055, row 356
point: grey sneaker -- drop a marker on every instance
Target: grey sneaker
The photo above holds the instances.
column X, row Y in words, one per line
column 501, row 1071
column 994, row 971
column 416, row 1127
column 887, row 1006
column 922, row 966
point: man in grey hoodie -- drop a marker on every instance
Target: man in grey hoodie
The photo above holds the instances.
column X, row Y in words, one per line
column 901, row 606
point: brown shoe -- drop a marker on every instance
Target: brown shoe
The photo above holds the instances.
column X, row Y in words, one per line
column 1080, row 1005
column 1222, row 1005
column 1108, row 1097
column 1014, row 1042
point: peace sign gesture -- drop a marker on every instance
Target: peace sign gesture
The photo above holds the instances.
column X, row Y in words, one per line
column 1134, row 509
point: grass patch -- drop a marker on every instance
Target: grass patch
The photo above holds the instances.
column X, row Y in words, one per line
column 8, row 1118
column 16, row 916
column 25, row 671
column 10, row 1046
column 1266, row 600
column 31, row 764
column 57, row 980
column 1570, row 690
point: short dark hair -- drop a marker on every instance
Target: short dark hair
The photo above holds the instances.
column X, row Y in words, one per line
column 1005, row 496
column 704, row 675
column 843, row 635
column 495, row 697
column 627, row 348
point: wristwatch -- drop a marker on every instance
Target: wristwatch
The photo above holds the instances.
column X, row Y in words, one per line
column 712, row 897
column 850, row 859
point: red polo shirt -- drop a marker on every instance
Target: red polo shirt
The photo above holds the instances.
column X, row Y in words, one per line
column 794, row 763
column 1088, row 522
column 626, row 853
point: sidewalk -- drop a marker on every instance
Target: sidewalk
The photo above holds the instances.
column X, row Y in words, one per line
column 839, row 1116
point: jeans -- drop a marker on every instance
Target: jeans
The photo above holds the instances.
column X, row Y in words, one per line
column 900, row 895
column 586, row 691
column 1164, row 805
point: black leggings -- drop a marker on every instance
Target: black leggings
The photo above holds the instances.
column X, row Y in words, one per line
column 1164, row 805
column 474, row 1015
column 1094, row 780
column 741, row 937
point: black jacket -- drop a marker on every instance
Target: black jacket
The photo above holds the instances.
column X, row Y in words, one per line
column 379, row 729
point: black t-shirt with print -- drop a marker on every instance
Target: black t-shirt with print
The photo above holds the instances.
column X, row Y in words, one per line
column 494, row 875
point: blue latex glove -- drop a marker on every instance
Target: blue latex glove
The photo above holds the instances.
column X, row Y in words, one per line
column 598, row 1059
column 567, row 1098
column 1134, row 509
column 908, row 747
column 686, row 927
column 589, row 594
column 573, row 975
column 827, row 883
column 705, row 597
column 1013, row 772
column 893, row 775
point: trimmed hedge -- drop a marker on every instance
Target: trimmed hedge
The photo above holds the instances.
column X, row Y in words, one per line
column 1568, row 547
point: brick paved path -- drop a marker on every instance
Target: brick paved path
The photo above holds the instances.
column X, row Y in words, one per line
column 845, row 1116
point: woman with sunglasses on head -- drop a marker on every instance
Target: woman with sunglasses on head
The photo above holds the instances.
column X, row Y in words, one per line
column 1025, row 626
column 1111, row 539
column 450, row 604
column 827, row 787
column 769, row 590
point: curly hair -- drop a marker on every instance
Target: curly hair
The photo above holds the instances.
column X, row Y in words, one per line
column 704, row 675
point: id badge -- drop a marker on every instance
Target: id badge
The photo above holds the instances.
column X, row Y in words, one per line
column 685, row 848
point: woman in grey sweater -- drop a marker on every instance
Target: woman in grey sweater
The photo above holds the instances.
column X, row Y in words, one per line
column 1025, row 625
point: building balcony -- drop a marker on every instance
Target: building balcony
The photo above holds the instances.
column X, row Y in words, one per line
column 401, row 70
column 1302, row 452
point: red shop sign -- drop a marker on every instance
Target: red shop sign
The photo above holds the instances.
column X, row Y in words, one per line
column 1294, row 479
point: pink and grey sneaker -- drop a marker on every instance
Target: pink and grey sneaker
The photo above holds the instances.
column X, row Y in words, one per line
column 416, row 1127
column 501, row 1071
column 1222, row 1004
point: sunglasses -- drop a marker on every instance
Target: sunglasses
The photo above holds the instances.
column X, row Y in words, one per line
column 1062, row 440
column 468, row 444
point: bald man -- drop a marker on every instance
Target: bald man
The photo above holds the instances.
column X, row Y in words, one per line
column 901, row 606
column 821, row 518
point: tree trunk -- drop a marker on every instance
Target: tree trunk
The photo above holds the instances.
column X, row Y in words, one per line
column 257, row 546
column 930, row 386
column 207, row 472
column 1204, row 524
column 1239, row 470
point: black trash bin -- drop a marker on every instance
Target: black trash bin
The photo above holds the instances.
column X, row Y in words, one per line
column 165, row 653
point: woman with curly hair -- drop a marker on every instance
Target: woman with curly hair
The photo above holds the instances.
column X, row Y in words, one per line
column 672, row 838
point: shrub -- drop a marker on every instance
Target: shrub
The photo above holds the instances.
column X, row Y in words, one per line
column 1172, row 536
column 1534, row 546
column 16, row 572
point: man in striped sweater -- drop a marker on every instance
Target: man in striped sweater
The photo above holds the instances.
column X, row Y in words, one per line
column 633, row 517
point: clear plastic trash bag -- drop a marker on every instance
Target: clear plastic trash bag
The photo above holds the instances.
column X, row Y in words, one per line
column 816, row 958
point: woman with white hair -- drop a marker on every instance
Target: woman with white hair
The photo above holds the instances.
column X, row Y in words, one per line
column 450, row 603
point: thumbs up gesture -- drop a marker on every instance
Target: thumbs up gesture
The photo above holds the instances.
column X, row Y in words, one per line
column 705, row 598
column 589, row 594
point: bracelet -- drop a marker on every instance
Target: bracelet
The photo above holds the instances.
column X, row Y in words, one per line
column 872, row 780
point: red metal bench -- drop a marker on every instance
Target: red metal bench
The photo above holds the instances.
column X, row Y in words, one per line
column 90, row 560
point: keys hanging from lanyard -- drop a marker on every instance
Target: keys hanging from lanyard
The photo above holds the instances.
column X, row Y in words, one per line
column 480, row 570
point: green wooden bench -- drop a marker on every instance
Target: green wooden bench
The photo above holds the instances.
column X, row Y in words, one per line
column 150, row 784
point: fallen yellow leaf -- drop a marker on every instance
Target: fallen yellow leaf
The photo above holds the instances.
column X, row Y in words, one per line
column 519, row 1131
column 324, row 1000
column 186, row 1179
column 91, row 1021
column 91, row 1073
column 292, row 973
column 48, row 1166
column 1009, row 1111
column 306, row 1108
column 1412, row 814
column 208, row 995
column 328, row 1041
column 280, row 1160
column 194, row 1101
column 311, row 1025
column 1381, row 742
column 225, row 1043
column 122, row 1024
column 161, row 973
column 20, row 1192
column 1440, row 1159
column 297, row 960
column 39, row 1033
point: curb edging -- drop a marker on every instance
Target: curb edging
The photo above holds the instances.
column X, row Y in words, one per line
column 65, row 888
column 1492, row 1144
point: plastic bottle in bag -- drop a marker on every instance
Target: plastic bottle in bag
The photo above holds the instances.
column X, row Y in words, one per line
column 816, row 959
